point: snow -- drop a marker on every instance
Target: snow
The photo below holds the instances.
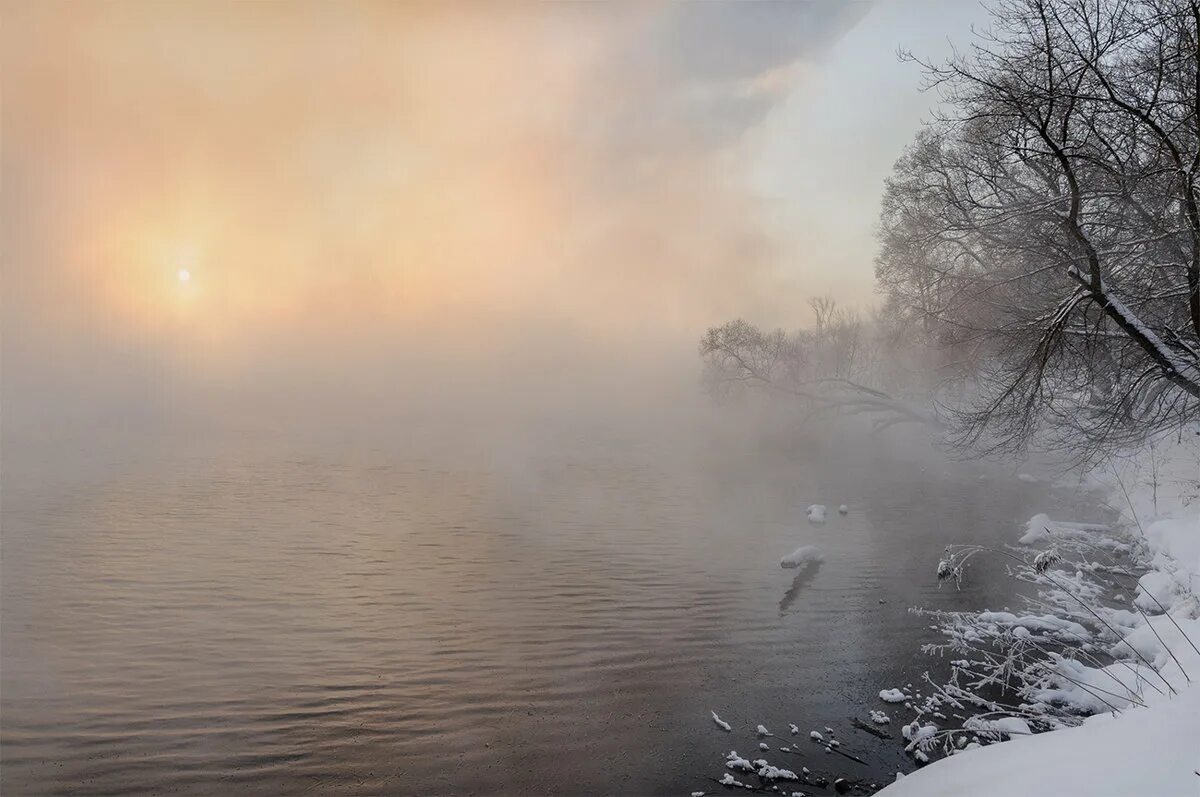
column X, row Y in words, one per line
column 998, row 728
column 1144, row 751
column 1160, row 590
column 1143, row 737
column 761, row 730
column 794, row 728
column 722, row 724
column 763, row 746
column 880, row 718
column 1041, row 528
column 803, row 555
column 816, row 513
column 735, row 761
column 1047, row 624
column 768, row 772
column 892, row 696
column 697, row 794
column 815, row 735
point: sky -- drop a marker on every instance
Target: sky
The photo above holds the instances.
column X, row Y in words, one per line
column 384, row 200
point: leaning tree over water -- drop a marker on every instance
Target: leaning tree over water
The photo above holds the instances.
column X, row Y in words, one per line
column 1046, row 225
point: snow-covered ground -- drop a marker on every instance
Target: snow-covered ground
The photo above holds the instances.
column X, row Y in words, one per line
column 1147, row 749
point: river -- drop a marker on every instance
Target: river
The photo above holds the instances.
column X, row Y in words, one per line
column 520, row 613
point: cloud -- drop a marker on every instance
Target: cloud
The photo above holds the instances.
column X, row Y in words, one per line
column 358, row 185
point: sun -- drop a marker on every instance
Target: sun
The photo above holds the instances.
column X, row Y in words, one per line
column 184, row 275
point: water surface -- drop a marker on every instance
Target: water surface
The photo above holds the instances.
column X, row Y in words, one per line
column 237, row 615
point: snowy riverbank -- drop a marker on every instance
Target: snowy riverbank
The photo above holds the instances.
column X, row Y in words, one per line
column 1148, row 739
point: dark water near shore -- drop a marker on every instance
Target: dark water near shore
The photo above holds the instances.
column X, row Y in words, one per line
column 236, row 616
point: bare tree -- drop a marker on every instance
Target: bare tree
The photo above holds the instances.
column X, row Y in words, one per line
column 1046, row 227
column 822, row 368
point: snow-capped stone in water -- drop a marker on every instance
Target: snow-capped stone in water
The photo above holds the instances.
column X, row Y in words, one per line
column 834, row 743
column 795, row 728
column 697, row 794
column 843, row 510
column 722, row 724
column 829, row 730
column 728, row 780
column 768, row 772
column 880, row 718
column 892, row 696
column 816, row 513
column 815, row 735
column 761, row 730
column 763, row 746
column 803, row 555
column 735, row 761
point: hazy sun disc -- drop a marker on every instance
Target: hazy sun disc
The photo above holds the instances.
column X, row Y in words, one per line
column 184, row 275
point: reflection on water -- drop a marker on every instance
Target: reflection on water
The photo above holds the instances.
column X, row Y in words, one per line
column 385, row 620
column 802, row 580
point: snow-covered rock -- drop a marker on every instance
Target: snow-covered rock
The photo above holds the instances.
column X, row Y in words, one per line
column 805, row 554
column 816, row 513
column 892, row 696
column 735, row 761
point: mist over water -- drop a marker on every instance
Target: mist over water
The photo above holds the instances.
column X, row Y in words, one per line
column 472, row 599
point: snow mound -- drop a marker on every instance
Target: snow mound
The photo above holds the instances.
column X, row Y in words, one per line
column 1159, row 591
column 805, row 554
column 1042, row 528
column 892, row 696
column 880, row 718
column 998, row 728
column 816, row 513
